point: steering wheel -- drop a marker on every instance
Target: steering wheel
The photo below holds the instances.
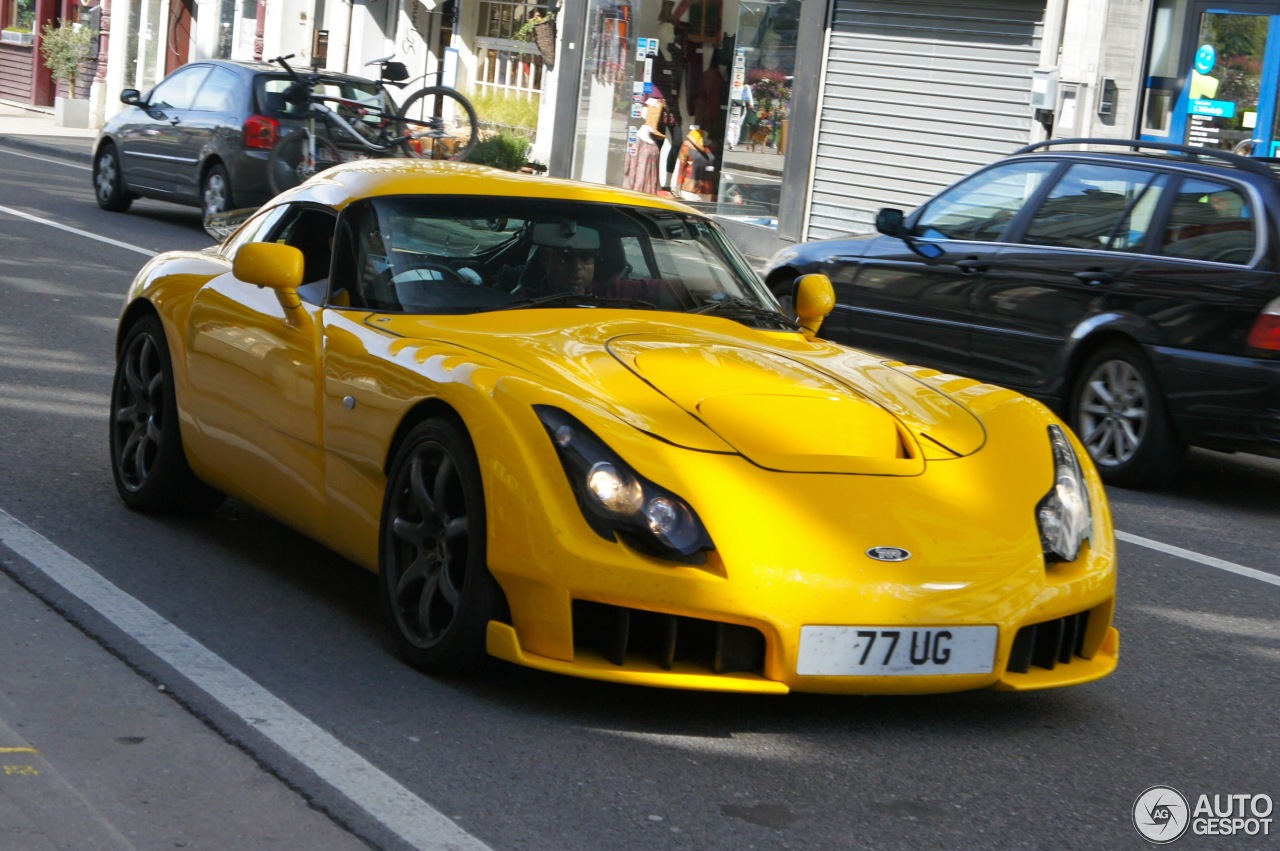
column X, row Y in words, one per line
column 404, row 273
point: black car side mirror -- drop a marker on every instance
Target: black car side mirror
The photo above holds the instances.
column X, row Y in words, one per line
column 132, row 97
column 889, row 221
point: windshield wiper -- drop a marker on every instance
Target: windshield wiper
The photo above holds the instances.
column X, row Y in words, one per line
column 739, row 307
column 580, row 300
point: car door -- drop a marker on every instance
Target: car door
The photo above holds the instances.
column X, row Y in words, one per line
column 152, row 148
column 253, row 364
column 212, row 124
column 1071, row 261
column 904, row 304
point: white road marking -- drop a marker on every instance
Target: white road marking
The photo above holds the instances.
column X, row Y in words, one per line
column 148, row 252
column 50, row 160
column 404, row 813
column 1210, row 561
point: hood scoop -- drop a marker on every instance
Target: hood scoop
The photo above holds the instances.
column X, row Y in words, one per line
column 778, row 412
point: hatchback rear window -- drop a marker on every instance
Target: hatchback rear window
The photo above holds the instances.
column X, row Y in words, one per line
column 269, row 93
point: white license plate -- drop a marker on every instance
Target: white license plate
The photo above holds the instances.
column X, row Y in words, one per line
column 878, row 651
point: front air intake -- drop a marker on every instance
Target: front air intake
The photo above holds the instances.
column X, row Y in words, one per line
column 1048, row 644
column 629, row 636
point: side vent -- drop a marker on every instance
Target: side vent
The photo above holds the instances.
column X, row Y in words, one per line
column 626, row 636
column 1048, row 644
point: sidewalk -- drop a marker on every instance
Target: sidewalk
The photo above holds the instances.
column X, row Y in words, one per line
column 93, row 757
column 31, row 128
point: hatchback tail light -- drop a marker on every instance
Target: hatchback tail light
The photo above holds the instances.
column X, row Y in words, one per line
column 1265, row 333
column 261, row 132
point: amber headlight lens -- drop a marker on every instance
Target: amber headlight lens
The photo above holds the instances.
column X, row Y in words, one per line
column 1064, row 515
column 617, row 502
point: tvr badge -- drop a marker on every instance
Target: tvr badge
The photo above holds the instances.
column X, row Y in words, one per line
column 889, row 553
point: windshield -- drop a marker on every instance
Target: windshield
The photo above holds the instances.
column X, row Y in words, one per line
column 433, row 254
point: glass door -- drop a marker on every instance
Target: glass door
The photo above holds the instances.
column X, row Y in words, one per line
column 1225, row 77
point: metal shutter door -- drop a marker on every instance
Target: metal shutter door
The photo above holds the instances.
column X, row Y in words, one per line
column 916, row 96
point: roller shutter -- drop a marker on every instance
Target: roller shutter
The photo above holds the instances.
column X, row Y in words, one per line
column 916, row 96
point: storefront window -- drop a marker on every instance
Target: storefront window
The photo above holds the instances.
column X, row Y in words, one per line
column 1164, row 82
column 683, row 99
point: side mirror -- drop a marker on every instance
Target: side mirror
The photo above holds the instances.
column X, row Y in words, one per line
column 815, row 299
column 889, row 222
column 132, row 97
column 269, row 264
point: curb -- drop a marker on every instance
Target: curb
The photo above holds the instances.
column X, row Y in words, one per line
column 27, row 144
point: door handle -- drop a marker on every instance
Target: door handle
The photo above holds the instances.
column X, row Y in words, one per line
column 1095, row 277
column 970, row 265
column 176, row 120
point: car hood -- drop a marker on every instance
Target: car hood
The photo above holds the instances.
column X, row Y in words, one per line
column 781, row 401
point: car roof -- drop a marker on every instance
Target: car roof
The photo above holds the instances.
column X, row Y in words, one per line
column 347, row 182
column 245, row 67
column 1165, row 153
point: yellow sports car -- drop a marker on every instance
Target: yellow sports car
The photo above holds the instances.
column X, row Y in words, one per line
column 570, row 428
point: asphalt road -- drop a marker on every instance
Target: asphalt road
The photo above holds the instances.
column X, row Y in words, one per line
column 525, row 760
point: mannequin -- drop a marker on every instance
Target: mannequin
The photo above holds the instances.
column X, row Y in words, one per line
column 695, row 167
column 641, row 170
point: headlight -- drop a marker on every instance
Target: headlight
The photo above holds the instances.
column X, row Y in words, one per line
column 1064, row 515
column 618, row 502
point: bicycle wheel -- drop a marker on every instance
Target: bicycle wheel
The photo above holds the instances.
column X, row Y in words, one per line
column 290, row 163
column 437, row 123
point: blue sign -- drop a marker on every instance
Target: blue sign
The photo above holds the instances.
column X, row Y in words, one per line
column 1213, row 108
column 1206, row 58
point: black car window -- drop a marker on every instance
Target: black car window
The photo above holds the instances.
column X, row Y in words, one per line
column 178, row 90
column 1098, row 206
column 217, row 93
column 982, row 206
column 1209, row 220
column 271, row 101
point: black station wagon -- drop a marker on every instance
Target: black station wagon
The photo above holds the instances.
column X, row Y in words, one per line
column 1132, row 287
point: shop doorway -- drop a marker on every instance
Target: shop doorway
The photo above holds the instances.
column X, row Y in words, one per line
column 1214, row 77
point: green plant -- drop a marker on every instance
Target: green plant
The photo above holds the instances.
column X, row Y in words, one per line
column 526, row 29
column 506, row 110
column 65, row 47
column 503, row 150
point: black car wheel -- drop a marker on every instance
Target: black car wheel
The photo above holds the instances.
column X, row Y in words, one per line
column 147, row 458
column 215, row 191
column 1119, row 415
column 437, row 590
column 108, row 181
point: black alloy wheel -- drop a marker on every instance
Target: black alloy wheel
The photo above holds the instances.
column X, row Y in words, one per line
column 438, row 594
column 215, row 191
column 1119, row 414
column 147, row 459
column 108, row 181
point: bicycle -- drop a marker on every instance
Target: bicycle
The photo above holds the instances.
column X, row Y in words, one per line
column 417, row 129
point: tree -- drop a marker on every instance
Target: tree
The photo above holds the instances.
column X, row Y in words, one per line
column 65, row 47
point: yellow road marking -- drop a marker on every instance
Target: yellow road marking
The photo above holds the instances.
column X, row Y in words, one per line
column 18, row 750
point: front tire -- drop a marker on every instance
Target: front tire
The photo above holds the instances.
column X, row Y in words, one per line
column 437, row 592
column 289, row 164
column 429, row 136
column 147, row 459
column 1119, row 415
column 108, row 181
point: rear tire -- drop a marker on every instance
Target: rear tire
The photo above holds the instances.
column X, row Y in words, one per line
column 1119, row 415
column 108, row 181
column 437, row 138
column 147, row 459
column 215, row 191
column 287, row 166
